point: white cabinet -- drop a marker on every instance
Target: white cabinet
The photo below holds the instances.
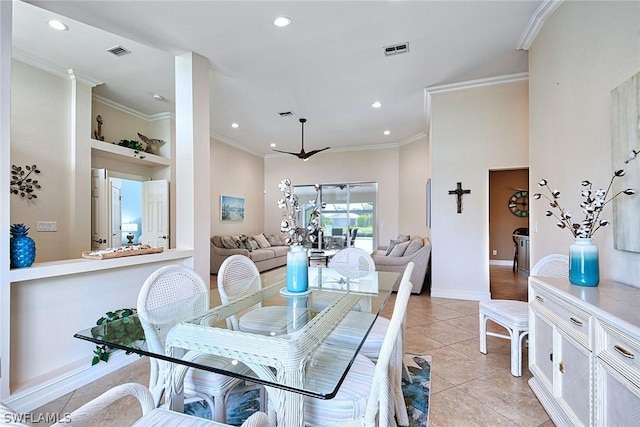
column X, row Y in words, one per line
column 523, row 255
column 583, row 344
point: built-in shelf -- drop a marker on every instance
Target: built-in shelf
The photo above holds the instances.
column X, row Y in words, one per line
column 124, row 154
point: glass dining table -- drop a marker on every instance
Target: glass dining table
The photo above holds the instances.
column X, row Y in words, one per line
column 280, row 353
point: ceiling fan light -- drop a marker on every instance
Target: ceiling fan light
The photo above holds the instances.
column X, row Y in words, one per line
column 235, row 125
column 377, row 104
column 387, row 132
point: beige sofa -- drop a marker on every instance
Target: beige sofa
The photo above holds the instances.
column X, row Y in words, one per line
column 416, row 249
column 268, row 255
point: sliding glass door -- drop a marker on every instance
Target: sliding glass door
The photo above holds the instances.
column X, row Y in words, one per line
column 348, row 216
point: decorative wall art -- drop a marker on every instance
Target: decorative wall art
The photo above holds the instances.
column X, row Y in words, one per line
column 22, row 182
column 625, row 143
column 231, row 208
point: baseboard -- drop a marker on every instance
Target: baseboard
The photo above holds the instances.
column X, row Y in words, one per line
column 508, row 262
column 27, row 400
column 463, row 295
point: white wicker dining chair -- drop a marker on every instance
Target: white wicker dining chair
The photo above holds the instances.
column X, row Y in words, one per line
column 352, row 262
column 182, row 286
column 554, row 265
column 344, row 336
column 238, row 276
column 366, row 394
column 151, row 416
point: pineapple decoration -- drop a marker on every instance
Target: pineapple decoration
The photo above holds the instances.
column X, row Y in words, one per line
column 21, row 246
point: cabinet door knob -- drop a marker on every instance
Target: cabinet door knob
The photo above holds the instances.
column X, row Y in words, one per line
column 561, row 367
column 624, row 352
column 539, row 298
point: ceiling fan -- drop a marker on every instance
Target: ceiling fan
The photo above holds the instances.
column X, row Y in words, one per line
column 302, row 154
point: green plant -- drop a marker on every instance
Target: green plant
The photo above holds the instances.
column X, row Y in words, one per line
column 116, row 326
column 134, row 145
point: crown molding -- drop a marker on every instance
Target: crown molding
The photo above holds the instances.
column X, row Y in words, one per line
column 470, row 84
column 41, row 64
column 544, row 11
column 131, row 111
column 234, row 144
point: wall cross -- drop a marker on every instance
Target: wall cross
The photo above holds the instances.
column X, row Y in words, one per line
column 459, row 192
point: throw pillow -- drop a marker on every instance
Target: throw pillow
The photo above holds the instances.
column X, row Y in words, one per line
column 414, row 246
column 246, row 243
column 217, row 241
column 399, row 249
column 254, row 245
column 392, row 244
column 262, row 241
column 402, row 238
column 229, row 243
column 274, row 240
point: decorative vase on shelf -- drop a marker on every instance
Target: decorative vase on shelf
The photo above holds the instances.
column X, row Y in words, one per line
column 22, row 248
column 297, row 270
column 584, row 267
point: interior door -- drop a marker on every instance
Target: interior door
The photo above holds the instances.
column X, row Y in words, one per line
column 116, row 214
column 155, row 213
column 99, row 209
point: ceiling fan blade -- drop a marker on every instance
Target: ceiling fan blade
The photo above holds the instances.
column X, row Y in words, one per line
column 311, row 153
column 286, row 152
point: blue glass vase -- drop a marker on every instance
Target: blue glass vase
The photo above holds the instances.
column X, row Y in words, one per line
column 584, row 267
column 297, row 270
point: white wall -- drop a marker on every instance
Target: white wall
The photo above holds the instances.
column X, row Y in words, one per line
column 472, row 131
column 414, row 169
column 584, row 50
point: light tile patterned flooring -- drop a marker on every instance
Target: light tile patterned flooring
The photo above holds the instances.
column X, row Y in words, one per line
column 468, row 387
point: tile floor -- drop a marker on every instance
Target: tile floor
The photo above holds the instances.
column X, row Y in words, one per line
column 468, row 387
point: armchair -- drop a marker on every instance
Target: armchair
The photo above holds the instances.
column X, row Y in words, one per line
column 416, row 250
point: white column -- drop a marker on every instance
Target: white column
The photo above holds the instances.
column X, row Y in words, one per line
column 192, row 165
column 5, row 171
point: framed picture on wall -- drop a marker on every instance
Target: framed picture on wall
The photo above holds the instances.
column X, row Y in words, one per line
column 231, row 208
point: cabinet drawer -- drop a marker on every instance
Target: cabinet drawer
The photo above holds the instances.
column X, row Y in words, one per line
column 573, row 321
column 619, row 350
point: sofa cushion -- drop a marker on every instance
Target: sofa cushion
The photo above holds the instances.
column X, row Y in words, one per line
column 254, row 245
column 392, row 244
column 399, row 249
column 279, row 250
column 414, row 246
column 262, row 241
column 261, row 255
column 244, row 242
column 228, row 242
column 403, row 238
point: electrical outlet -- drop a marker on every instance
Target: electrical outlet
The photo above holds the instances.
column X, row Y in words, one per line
column 47, row 226
column 495, row 252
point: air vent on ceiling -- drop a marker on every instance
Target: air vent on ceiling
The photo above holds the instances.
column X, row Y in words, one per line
column 119, row 50
column 286, row 114
column 396, row 49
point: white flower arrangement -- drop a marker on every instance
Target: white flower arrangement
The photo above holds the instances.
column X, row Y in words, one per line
column 293, row 233
column 593, row 203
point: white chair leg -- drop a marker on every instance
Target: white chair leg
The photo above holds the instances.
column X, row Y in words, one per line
column 483, row 333
column 516, row 353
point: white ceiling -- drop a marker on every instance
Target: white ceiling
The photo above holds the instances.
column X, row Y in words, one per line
column 328, row 66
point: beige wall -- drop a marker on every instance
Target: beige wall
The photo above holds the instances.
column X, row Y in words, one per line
column 584, row 50
column 473, row 131
column 375, row 165
column 40, row 134
column 502, row 185
column 414, row 169
column 235, row 172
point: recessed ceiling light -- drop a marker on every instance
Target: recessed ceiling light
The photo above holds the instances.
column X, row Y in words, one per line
column 57, row 25
column 387, row 132
column 235, row 125
column 377, row 104
column 273, row 144
column 281, row 21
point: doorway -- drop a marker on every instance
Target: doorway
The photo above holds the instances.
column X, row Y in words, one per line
column 508, row 211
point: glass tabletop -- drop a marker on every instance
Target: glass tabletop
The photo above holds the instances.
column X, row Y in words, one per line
column 280, row 337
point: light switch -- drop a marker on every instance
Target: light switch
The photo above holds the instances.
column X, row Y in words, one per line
column 47, row 226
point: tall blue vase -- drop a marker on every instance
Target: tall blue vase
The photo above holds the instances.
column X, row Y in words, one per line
column 297, row 270
column 584, row 267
